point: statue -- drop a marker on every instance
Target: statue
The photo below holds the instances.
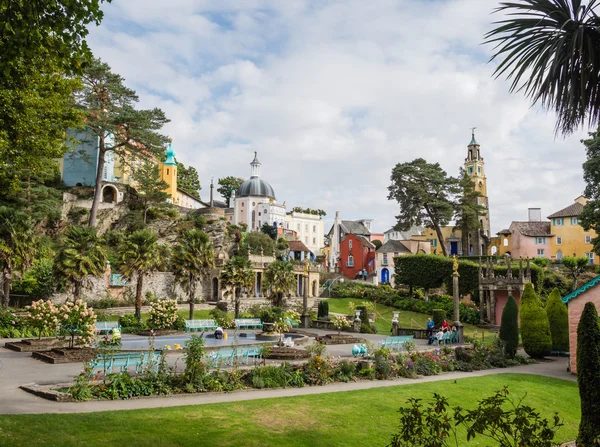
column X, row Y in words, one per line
column 454, row 265
column 306, row 264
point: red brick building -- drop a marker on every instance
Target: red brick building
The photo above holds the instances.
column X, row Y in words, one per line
column 357, row 253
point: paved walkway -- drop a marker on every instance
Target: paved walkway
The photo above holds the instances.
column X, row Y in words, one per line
column 20, row 368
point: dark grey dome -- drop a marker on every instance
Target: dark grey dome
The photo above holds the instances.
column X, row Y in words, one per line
column 255, row 186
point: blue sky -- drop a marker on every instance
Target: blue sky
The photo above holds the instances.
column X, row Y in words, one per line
column 332, row 94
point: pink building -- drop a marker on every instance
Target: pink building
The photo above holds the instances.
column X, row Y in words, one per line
column 575, row 302
column 530, row 239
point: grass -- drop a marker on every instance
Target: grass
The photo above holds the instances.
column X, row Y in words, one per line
column 353, row 418
column 407, row 319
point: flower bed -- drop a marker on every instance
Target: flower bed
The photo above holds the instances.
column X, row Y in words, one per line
column 159, row 379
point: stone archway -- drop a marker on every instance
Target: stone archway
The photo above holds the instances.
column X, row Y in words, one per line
column 109, row 194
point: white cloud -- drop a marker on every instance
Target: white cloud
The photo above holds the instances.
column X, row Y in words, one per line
column 333, row 94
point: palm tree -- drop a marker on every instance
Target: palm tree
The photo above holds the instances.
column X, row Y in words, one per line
column 139, row 254
column 193, row 257
column 237, row 274
column 281, row 280
column 550, row 51
column 82, row 253
column 17, row 243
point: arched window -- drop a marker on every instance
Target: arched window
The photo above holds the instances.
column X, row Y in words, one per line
column 505, row 242
column 559, row 255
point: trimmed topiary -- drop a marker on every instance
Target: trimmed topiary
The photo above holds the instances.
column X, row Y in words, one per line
column 558, row 318
column 438, row 315
column 588, row 375
column 509, row 327
column 323, row 313
column 535, row 330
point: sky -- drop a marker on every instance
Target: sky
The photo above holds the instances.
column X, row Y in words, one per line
column 332, row 94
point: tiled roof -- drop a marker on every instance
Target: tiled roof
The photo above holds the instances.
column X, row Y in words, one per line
column 297, row 246
column 393, row 246
column 365, row 242
column 534, row 229
column 405, row 235
column 354, row 227
column 503, row 232
column 583, row 288
column 573, row 210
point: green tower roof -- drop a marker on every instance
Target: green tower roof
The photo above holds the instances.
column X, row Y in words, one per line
column 170, row 161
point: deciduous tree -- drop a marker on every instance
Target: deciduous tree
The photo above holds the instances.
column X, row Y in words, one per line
column 150, row 187
column 188, row 179
column 576, row 266
column 425, row 194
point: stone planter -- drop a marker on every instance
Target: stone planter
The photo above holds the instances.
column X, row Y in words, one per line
column 268, row 327
column 33, row 345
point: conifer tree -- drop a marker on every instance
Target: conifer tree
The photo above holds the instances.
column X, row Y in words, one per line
column 535, row 330
column 558, row 318
column 509, row 327
column 588, row 375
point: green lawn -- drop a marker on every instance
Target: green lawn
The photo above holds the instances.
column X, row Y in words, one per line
column 354, row 418
column 407, row 319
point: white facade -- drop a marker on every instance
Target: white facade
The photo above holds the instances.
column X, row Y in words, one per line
column 309, row 229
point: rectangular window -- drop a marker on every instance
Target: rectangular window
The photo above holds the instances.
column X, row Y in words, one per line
column 558, row 240
column 395, row 254
column 259, row 213
column 540, row 240
column 314, row 228
column 479, row 170
column 540, row 252
column 350, row 261
column 350, row 244
column 306, row 227
column 558, row 222
column 574, row 220
column 470, row 170
column 314, row 240
column 384, row 261
column 298, row 226
column 435, row 242
column 588, row 239
column 306, row 239
column 590, row 256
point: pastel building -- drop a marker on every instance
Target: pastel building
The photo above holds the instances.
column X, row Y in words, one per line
column 570, row 239
column 384, row 256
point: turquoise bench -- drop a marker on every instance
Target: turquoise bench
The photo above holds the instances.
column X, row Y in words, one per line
column 227, row 356
column 125, row 360
column 292, row 323
column 248, row 323
column 106, row 326
column 200, row 325
column 395, row 343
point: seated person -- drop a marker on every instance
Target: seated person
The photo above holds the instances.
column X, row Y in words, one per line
column 219, row 333
column 438, row 336
column 430, row 328
column 445, row 326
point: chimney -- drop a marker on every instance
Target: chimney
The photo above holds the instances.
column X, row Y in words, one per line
column 535, row 214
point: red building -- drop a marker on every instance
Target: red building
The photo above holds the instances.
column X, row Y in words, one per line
column 356, row 254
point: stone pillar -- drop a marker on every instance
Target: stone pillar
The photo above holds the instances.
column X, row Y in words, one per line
column 455, row 296
column 395, row 328
column 305, row 318
column 492, row 310
column 356, row 324
column 481, row 305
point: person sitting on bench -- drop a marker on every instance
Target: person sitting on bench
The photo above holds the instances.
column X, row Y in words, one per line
column 219, row 333
column 437, row 336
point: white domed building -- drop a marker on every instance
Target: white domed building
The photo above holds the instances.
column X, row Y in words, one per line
column 255, row 203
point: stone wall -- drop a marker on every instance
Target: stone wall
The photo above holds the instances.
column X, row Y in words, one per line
column 575, row 309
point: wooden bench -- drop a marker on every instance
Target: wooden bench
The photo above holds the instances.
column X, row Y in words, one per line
column 106, row 326
column 200, row 325
column 395, row 342
column 125, row 360
column 248, row 323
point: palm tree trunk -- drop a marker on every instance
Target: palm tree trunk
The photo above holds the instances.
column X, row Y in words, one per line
column 192, row 295
column 138, row 296
column 7, row 277
column 77, row 289
column 98, row 184
column 238, row 299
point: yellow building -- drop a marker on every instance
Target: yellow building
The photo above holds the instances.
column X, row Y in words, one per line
column 500, row 245
column 452, row 238
column 570, row 239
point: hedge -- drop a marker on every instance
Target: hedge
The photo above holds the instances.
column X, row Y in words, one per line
column 438, row 315
column 509, row 327
column 588, row 375
column 432, row 271
column 558, row 318
column 535, row 329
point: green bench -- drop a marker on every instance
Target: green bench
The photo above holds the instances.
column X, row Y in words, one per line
column 291, row 323
column 106, row 326
column 125, row 360
column 248, row 323
column 395, row 343
column 227, row 356
column 200, row 325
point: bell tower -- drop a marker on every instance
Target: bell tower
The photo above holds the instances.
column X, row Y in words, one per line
column 475, row 168
column 169, row 173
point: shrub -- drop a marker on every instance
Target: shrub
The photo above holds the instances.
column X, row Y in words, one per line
column 76, row 320
column 317, row 371
column 163, row 314
column 43, row 316
column 222, row 318
column 509, row 327
column 384, row 367
column 558, row 318
column 535, row 330
column 129, row 323
column 427, row 366
column 194, row 366
column 270, row 314
column 438, row 315
column 316, row 349
column 340, row 323
column 345, row 370
column 588, row 375
column 323, row 313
